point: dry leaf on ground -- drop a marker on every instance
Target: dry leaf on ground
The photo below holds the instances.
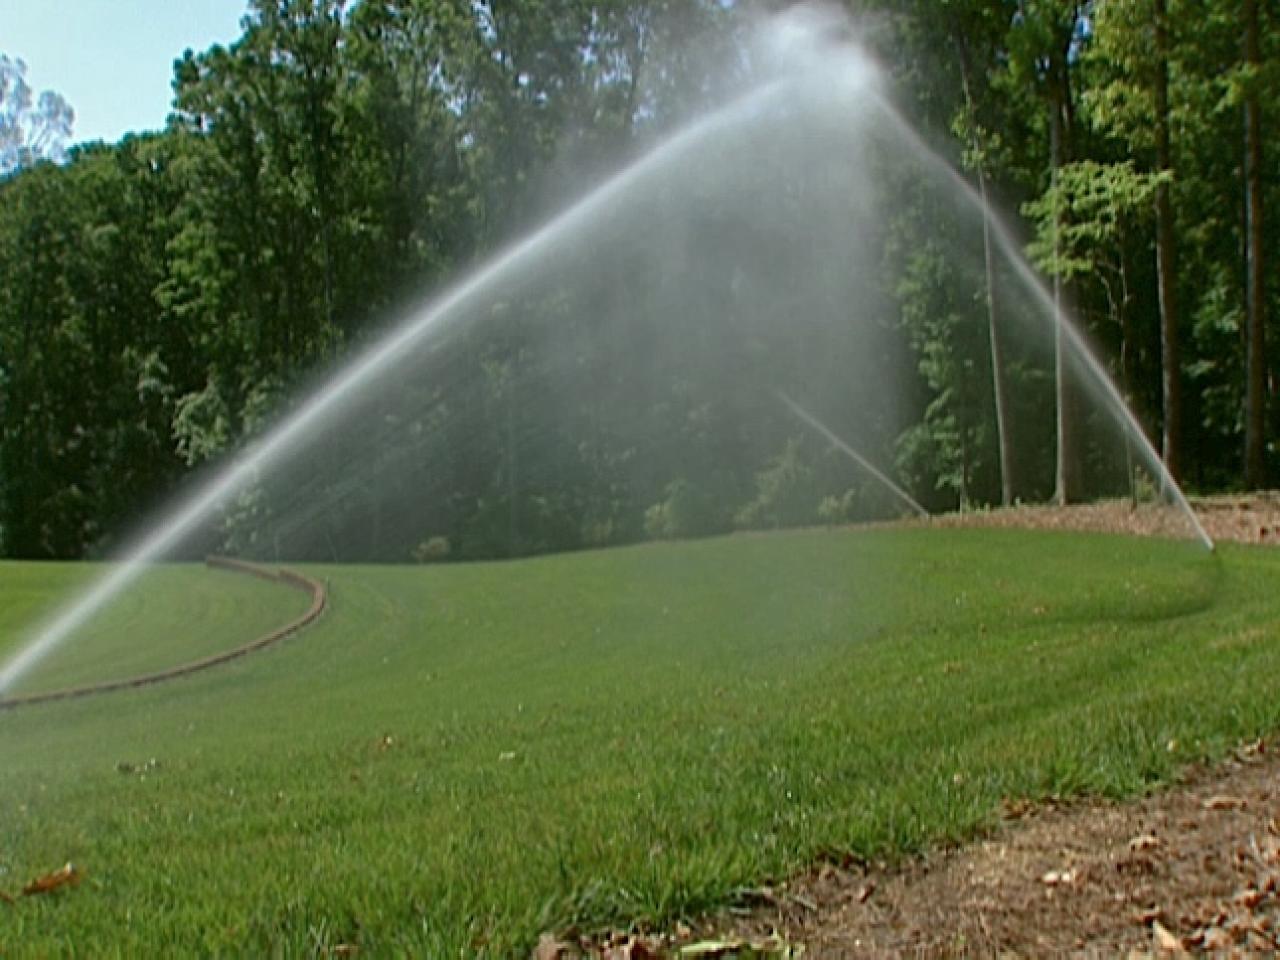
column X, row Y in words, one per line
column 551, row 947
column 1165, row 941
column 1147, row 841
column 1221, row 802
column 67, row 876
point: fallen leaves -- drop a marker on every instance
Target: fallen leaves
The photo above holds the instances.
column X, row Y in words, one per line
column 1147, row 917
column 616, row 946
column 774, row 948
column 1247, row 920
column 639, row 946
column 1145, row 842
column 1223, row 802
column 1015, row 808
column 551, row 948
column 1249, row 898
column 1163, row 940
column 1060, row 878
column 66, row 876
column 1252, row 752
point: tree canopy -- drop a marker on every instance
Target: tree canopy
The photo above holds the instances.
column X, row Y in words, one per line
column 163, row 296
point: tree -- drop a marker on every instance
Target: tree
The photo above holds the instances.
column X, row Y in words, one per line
column 88, row 368
column 1133, row 54
column 1090, row 226
column 948, row 52
column 1255, row 469
column 29, row 131
column 1166, row 253
column 999, row 380
column 1044, row 44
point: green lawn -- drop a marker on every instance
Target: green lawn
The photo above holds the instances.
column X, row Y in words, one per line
column 175, row 614
column 456, row 758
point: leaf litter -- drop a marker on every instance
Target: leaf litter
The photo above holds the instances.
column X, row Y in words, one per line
column 67, row 875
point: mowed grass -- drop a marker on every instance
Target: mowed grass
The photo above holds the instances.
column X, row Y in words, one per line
column 172, row 615
column 456, row 758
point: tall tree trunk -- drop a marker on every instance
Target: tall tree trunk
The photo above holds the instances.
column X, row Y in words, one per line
column 1166, row 256
column 1255, row 279
column 513, row 514
column 1123, row 308
column 1067, row 486
column 998, row 382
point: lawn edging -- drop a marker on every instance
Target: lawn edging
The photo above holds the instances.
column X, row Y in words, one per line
column 289, row 578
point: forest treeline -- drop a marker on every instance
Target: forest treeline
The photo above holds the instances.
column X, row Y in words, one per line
column 162, row 296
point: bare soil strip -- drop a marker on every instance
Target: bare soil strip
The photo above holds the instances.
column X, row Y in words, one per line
column 289, row 578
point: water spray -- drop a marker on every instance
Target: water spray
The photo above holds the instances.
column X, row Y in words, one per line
column 814, row 423
column 1004, row 238
column 824, row 79
column 365, row 367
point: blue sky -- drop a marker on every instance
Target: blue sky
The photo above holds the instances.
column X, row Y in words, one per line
column 112, row 59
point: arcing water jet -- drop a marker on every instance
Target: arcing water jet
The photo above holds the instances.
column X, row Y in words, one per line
column 613, row 374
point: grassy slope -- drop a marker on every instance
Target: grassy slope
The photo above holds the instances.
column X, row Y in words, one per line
column 183, row 611
column 621, row 735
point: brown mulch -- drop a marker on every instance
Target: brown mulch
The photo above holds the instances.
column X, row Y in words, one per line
column 1245, row 519
column 1191, row 869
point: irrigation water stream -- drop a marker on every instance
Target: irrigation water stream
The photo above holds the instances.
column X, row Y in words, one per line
column 816, row 118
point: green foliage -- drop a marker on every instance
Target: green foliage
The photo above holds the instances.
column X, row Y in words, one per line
column 687, row 511
column 432, row 550
column 202, row 425
column 834, row 510
column 1086, row 216
column 951, row 448
column 786, row 492
column 162, row 295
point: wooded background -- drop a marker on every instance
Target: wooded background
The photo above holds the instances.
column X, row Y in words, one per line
column 162, row 297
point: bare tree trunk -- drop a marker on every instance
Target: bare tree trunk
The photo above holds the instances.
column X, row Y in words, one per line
column 998, row 383
column 1166, row 257
column 513, row 521
column 1067, row 486
column 1122, row 308
column 1255, row 467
